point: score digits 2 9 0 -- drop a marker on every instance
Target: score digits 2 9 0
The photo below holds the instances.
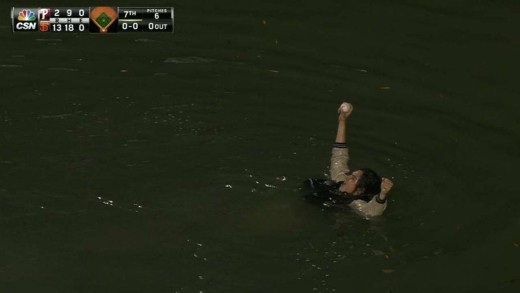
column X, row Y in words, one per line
column 100, row 19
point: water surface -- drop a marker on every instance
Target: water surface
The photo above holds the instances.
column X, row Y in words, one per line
column 171, row 162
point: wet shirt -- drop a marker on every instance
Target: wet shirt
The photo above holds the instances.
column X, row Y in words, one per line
column 326, row 193
column 366, row 206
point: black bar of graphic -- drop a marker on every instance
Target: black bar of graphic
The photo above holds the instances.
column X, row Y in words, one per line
column 70, row 12
column 129, row 26
column 130, row 13
column 68, row 27
column 158, row 26
column 158, row 13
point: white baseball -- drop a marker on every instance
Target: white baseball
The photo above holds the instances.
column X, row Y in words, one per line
column 345, row 107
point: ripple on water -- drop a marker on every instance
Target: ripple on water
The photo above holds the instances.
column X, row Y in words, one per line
column 49, row 40
column 10, row 65
column 146, row 41
column 62, row 69
column 57, row 116
column 188, row 60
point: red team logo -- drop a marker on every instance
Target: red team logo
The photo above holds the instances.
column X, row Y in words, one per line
column 44, row 26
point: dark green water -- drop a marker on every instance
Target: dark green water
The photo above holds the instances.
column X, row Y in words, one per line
column 171, row 162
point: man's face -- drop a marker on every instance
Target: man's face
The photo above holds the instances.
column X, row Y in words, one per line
column 351, row 181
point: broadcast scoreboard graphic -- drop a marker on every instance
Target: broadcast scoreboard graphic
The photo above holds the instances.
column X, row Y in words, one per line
column 100, row 19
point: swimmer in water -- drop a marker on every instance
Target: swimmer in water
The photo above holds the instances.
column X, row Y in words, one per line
column 362, row 190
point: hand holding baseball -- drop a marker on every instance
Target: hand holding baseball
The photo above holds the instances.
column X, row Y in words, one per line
column 344, row 110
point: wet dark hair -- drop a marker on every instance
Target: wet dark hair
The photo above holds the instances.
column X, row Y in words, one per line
column 370, row 182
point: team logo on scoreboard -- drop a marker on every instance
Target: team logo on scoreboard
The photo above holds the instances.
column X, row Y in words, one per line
column 44, row 26
column 44, row 14
column 24, row 19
